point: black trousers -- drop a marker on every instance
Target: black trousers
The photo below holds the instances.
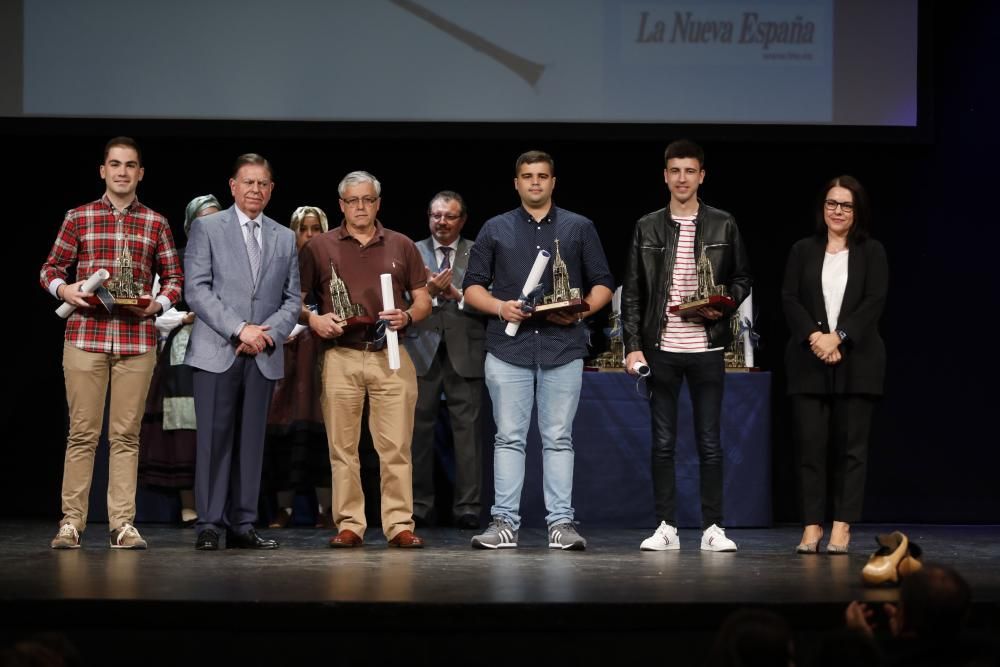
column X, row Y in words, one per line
column 832, row 429
column 705, row 373
column 465, row 400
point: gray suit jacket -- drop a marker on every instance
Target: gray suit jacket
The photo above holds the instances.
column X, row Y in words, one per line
column 464, row 331
column 219, row 289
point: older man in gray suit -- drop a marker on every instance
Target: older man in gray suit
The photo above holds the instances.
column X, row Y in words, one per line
column 448, row 350
column 244, row 288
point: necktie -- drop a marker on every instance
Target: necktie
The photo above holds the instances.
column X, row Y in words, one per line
column 253, row 250
column 446, row 262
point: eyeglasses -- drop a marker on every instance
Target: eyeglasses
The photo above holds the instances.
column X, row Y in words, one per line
column 450, row 217
column 249, row 183
column 354, row 201
column 845, row 206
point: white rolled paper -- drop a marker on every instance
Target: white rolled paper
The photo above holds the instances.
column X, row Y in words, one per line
column 388, row 303
column 541, row 261
column 746, row 315
column 95, row 280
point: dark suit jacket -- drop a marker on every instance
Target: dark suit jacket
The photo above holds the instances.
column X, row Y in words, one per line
column 464, row 331
column 862, row 368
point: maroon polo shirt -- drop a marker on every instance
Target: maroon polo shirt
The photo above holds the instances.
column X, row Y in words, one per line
column 360, row 266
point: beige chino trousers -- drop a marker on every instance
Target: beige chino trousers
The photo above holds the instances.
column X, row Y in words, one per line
column 87, row 376
column 347, row 375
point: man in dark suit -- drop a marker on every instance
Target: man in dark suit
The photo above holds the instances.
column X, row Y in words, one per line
column 448, row 350
column 245, row 293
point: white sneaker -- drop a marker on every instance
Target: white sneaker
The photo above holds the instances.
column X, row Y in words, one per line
column 664, row 539
column 714, row 539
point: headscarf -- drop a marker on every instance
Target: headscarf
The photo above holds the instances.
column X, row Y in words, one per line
column 196, row 206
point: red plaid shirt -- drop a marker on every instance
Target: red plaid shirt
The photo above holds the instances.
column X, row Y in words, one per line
column 91, row 237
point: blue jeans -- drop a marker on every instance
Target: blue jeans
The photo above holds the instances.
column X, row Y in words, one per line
column 514, row 390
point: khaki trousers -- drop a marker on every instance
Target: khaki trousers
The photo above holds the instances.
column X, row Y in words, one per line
column 87, row 375
column 346, row 376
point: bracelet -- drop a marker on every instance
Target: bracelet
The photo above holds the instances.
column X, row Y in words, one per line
column 409, row 318
column 499, row 310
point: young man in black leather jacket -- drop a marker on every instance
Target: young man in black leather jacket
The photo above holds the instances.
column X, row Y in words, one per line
column 661, row 271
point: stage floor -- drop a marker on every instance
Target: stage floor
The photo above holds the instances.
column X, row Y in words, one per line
column 610, row 591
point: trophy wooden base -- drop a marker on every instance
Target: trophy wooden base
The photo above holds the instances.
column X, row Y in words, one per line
column 139, row 302
column 576, row 305
column 358, row 321
column 690, row 309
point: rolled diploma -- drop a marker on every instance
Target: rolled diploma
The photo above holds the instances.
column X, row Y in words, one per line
column 533, row 279
column 95, row 280
column 388, row 303
column 745, row 314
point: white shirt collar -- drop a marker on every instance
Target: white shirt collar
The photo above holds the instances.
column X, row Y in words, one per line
column 244, row 218
column 453, row 245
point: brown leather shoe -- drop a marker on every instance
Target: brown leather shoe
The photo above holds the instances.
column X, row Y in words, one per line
column 406, row 540
column 281, row 519
column 346, row 539
column 324, row 521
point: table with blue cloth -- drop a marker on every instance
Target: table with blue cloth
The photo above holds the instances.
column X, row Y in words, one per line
column 613, row 484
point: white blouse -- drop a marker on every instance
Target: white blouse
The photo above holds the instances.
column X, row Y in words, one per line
column 834, row 284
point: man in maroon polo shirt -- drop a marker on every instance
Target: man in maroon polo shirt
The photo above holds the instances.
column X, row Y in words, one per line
column 355, row 363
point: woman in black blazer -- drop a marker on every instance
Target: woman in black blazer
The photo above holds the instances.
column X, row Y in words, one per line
column 834, row 292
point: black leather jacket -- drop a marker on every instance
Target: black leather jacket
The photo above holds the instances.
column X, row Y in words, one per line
column 650, row 266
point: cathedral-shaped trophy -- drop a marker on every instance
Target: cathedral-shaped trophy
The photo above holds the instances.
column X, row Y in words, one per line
column 348, row 314
column 563, row 297
column 707, row 294
column 735, row 354
column 613, row 359
column 739, row 355
column 121, row 289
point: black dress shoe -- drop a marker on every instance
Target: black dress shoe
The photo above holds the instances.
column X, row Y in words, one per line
column 208, row 540
column 468, row 522
column 248, row 540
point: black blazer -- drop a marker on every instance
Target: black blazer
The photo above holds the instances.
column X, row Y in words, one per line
column 862, row 367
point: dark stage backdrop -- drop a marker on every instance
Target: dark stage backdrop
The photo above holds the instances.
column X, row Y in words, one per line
column 934, row 455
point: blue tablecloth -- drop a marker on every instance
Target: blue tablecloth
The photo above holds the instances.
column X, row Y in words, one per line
column 611, row 435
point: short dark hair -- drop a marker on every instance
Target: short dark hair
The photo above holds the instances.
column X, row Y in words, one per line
column 252, row 158
column 450, row 195
column 124, row 142
column 935, row 601
column 531, row 157
column 683, row 148
column 861, row 228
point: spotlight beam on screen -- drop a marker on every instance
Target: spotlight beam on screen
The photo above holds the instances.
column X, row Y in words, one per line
column 524, row 68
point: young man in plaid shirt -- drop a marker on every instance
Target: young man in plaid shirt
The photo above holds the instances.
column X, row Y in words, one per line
column 120, row 345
